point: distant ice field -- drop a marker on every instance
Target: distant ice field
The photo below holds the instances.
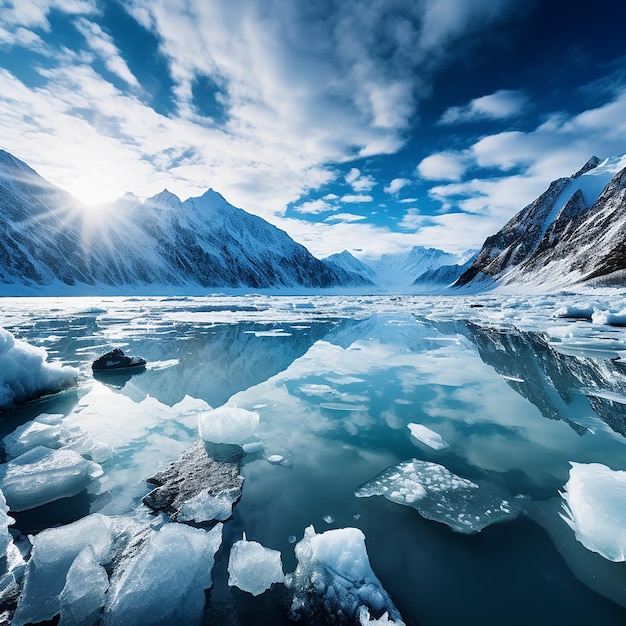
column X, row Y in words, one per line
column 396, row 451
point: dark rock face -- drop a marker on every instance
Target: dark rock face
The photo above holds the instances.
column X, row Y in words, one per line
column 47, row 238
column 197, row 475
column 580, row 242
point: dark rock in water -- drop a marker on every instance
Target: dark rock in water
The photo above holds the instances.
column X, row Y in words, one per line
column 197, row 487
column 116, row 360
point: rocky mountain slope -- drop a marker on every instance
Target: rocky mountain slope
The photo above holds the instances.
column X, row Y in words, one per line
column 574, row 233
column 48, row 241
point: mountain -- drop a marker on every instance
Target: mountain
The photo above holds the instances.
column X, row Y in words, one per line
column 573, row 233
column 346, row 262
column 48, row 240
column 444, row 275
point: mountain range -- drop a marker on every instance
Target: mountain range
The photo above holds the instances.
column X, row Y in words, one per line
column 572, row 234
column 47, row 239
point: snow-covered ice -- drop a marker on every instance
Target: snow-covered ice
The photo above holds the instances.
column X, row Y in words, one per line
column 177, row 560
column 595, row 508
column 609, row 318
column 42, row 475
column 5, row 521
column 572, row 311
column 334, row 575
column 427, row 436
column 227, row 424
column 253, row 567
column 25, row 373
column 438, row 494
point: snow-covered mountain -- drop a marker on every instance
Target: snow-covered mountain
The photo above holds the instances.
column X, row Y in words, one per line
column 49, row 241
column 399, row 272
column 574, row 233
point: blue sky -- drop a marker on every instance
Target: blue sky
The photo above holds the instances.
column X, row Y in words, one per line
column 367, row 125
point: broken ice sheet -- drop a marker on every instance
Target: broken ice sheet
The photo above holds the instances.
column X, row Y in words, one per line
column 42, row 475
column 253, row 567
column 427, row 436
column 595, row 508
column 439, row 495
column 334, row 576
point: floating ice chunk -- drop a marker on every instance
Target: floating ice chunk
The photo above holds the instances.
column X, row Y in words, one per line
column 334, row 575
column 253, row 567
column 83, row 597
column 329, row 519
column 574, row 312
column 5, row 521
column 227, row 424
column 340, row 406
column 165, row 581
column 609, row 318
column 438, row 494
column 275, row 458
column 42, row 475
column 253, row 446
column 427, row 436
column 53, row 554
column 595, row 508
column 365, row 619
column 25, row 374
column 44, row 430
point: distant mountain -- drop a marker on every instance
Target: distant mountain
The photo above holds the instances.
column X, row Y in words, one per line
column 48, row 240
column 574, row 233
column 444, row 275
column 346, row 262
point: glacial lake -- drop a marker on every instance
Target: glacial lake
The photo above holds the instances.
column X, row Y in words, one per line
column 516, row 393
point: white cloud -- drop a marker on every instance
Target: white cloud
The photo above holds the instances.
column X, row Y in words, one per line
column 396, row 185
column 411, row 220
column 353, row 198
column 359, row 182
column 443, row 166
column 102, row 43
column 502, row 104
column 314, row 207
column 345, row 217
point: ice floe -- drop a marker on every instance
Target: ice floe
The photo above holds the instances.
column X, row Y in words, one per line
column 438, row 494
column 253, row 567
column 5, row 521
column 609, row 318
column 570, row 311
column 427, row 436
column 196, row 487
column 227, row 424
column 42, row 475
column 25, row 374
column 595, row 508
column 177, row 560
column 334, row 578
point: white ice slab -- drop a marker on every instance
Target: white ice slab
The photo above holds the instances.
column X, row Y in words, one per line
column 253, row 567
column 427, row 436
column 595, row 508
column 227, row 424
column 42, row 475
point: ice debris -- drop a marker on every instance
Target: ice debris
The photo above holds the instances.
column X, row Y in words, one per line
column 253, row 567
column 25, row 374
column 335, row 581
column 427, row 436
column 117, row 570
column 609, row 318
column 196, row 487
column 569, row 311
column 42, row 475
column 177, row 560
column 227, row 424
column 595, row 508
column 438, row 494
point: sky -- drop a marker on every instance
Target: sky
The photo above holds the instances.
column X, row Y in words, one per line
column 366, row 125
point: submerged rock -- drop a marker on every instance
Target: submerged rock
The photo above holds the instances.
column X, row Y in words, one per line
column 197, row 487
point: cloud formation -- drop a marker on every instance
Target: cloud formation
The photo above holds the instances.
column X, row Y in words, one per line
column 500, row 105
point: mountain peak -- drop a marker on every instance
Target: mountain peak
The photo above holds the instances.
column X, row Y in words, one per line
column 164, row 198
column 591, row 164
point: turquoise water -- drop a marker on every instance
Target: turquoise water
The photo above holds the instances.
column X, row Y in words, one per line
column 515, row 394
